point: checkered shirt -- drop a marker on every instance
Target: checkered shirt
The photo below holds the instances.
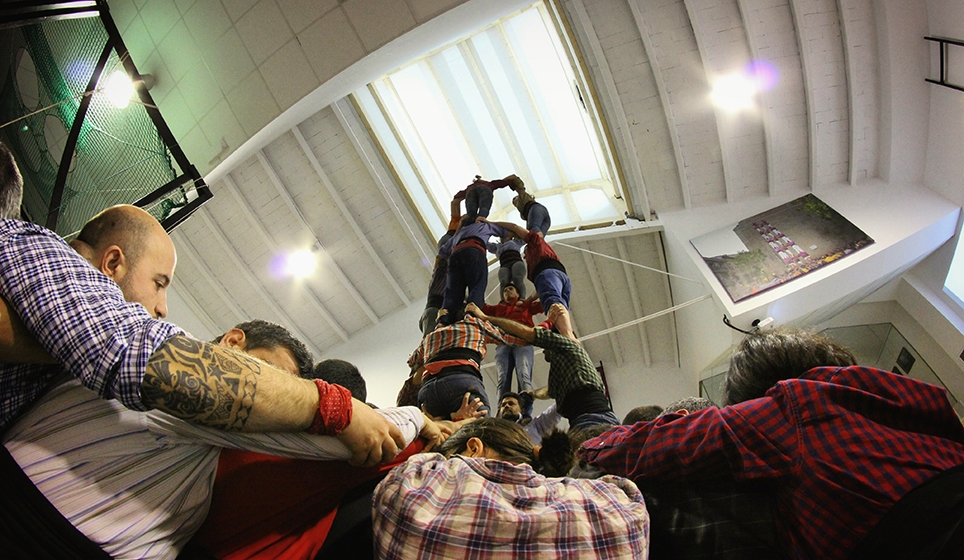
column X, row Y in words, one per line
column 78, row 314
column 570, row 368
column 471, row 333
column 840, row 446
column 430, row 507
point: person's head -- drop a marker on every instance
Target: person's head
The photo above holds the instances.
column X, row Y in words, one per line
column 495, row 438
column 342, row 373
column 643, row 413
column 510, row 407
column 510, row 293
column 270, row 343
column 11, row 185
column 763, row 359
column 132, row 248
column 687, row 405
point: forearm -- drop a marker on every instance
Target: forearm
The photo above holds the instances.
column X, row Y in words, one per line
column 514, row 228
column 221, row 388
column 513, row 328
column 17, row 345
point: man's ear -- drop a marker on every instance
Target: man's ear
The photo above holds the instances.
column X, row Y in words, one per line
column 474, row 448
column 113, row 263
column 234, row 338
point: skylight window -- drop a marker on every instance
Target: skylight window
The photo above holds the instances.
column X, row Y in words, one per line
column 504, row 100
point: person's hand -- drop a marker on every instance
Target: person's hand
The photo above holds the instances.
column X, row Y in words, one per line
column 541, row 393
column 481, row 220
column 472, row 309
column 370, row 437
column 433, row 434
column 469, row 409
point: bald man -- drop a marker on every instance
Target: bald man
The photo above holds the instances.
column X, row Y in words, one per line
column 78, row 314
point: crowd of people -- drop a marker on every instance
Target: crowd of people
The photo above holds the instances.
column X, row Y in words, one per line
column 124, row 437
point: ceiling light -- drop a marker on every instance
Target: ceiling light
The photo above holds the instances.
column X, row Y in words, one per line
column 301, row 264
column 734, row 92
column 119, row 89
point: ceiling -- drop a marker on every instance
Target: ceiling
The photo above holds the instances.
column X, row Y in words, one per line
column 255, row 92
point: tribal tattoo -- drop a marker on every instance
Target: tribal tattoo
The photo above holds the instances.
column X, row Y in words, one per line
column 202, row 383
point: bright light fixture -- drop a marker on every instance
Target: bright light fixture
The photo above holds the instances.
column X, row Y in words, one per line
column 301, row 264
column 734, row 92
column 119, row 89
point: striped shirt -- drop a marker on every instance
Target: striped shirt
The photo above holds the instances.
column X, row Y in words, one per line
column 470, row 333
column 139, row 484
column 79, row 316
column 432, row 507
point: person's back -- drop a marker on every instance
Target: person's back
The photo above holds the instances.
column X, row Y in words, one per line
column 840, row 445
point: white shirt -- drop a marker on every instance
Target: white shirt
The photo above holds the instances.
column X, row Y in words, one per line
column 139, row 484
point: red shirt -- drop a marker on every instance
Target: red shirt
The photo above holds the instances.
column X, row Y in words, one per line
column 518, row 313
column 839, row 445
column 537, row 250
column 264, row 506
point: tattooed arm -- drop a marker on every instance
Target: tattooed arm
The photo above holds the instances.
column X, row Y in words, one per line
column 222, row 388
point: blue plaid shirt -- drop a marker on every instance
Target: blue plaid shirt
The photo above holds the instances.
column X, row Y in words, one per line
column 78, row 314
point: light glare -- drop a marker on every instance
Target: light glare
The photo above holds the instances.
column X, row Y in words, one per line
column 734, row 93
column 119, row 89
column 301, row 264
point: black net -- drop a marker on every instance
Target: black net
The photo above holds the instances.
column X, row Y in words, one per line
column 119, row 156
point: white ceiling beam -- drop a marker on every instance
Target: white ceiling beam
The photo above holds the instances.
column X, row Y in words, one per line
column 345, row 281
column 634, row 297
column 189, row 252
column 269, row 241
column 231, row 253
column 728, row 172
column 849, row 72
column 664, row 99
column 765, row 95
column 352, row 124
column 592, row 272
column 806, row 67
column 346, row 213
column 613, row 106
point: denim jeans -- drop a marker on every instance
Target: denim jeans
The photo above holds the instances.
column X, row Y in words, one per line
column 516, row 275
column 443, row 395
column 553, row 287
column 519, row 358
column 467, row 269
column 478, row 202
column 538, row 219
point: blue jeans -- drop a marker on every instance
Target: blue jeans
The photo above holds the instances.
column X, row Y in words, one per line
column 516, row 275
column 553, row 287
column 467, row 269
column 443, row 395
column 478, row 202
column 538, row 219
column 519, row 358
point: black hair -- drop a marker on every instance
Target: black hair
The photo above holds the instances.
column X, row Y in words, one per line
column 262, row 334
column 510, row 441
column 762, row 359
column 11, row 185
column 643, row 413
column 342, row 373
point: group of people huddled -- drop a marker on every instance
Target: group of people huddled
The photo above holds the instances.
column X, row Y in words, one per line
column 125, row 437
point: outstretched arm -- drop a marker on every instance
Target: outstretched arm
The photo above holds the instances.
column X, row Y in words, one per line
column 508, row 325
column 514, row 228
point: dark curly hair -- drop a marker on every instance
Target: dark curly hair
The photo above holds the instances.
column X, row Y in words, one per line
column 763, row 359
column 510, row 441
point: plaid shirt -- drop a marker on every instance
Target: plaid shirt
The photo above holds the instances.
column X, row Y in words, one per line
column 570, row 367
column 471, row 333
column 841, row 446
column 78, row 314
column 463, row 507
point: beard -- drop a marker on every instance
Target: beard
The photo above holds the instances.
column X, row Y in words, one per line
column 510, row 416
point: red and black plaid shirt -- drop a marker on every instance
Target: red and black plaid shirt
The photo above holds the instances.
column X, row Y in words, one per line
column 840, row 445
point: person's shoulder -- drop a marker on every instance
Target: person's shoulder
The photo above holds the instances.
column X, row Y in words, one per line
column 9, row 227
